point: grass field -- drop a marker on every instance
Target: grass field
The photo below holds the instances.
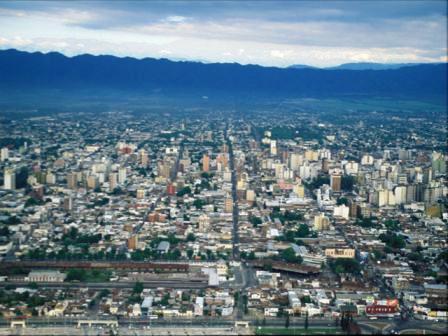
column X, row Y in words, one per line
column 297, row 331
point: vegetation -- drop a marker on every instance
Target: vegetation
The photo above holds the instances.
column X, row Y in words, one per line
column 345, row 265
column 83, row 275
column 184, row 191
column 392, row 240
column 296, row 331
column 255, row 221
column 290, row 256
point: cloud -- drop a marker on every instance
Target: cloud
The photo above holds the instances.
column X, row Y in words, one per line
column 269, row 33
column 175, row 18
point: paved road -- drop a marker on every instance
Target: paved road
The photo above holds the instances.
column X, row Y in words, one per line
column 366, row 325
column 235, row 234
column 101, row 285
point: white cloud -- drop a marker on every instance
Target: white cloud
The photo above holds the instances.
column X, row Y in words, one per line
column 176, row 18
column 243, row 40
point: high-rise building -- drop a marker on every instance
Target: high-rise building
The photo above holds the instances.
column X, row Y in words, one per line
column 113, row 181
column 50, row 178
column 335, row 182
column 122, row 175
column 5, row 153
column 203, row 223
column 171, row 189
column 92, row 182
column 72, row 180
column 228, row 204
column 143, row 158
column 132, row 242
column 205, row 163
column 273, row 147
column 140, row 193
column 321, row 222
column 68, row 203
column 10, row 179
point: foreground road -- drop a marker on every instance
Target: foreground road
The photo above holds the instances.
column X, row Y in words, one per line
column 180, row 284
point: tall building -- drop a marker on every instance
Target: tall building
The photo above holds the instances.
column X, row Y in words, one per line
column 141, row 193
column 335, row 182
column 132, row 242
column 72, row 180
column 321, row 222
column 113, row 181
column 143, row 158
column 68, row 203
column 171, row 189
column 92, row 182
column 273, row 147
column 228, row 204
column 205, row 163
column 10, row 179
column 204, row 223
column 122, row 175
column 4, row 153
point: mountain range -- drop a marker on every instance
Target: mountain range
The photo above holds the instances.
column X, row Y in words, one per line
column 361, row 66
column 24, row 71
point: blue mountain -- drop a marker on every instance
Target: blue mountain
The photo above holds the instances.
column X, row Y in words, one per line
column 25, row 71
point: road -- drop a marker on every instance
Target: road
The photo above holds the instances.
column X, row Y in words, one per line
column 179, row 284
column 235, row 233
column 367, row 326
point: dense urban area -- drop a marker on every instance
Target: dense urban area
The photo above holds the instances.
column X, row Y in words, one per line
column 217, row 222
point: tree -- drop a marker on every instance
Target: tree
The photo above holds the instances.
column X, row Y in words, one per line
column 191, row 237
column 33, row 285
column 184, row 191
column 138, row 288
column 255, row 221
column 289, row 255
column 303, row 231
column 347, row 183
column 392, row 240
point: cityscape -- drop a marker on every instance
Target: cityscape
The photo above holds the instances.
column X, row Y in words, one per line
column 205, row 213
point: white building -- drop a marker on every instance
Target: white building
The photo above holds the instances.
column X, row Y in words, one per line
column 10, row 179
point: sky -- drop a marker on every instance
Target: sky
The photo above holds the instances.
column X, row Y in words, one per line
column 269, row 33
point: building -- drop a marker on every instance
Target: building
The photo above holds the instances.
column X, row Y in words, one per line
column 92, row 182
column 4, row 153
column 341, row 211
column 141, row 193
column 205, row 163
column 10, row 179
column 46, row 276
column 132, row 242
column 335, row 182
column 340, row 252
column 113, row 181
column 122, row 175
column 199, row 306
column 321, row 222
column 228, row 205
column 68, row 203
column 163, row 247
column 143, row 158
column 386, row 308
column 72, row 180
